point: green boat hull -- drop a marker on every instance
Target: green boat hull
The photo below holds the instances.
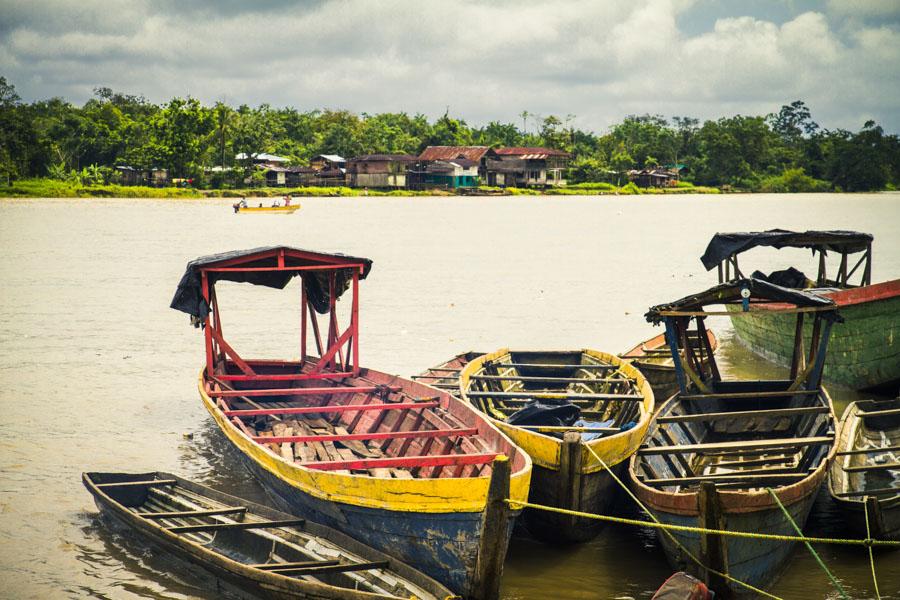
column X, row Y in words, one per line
column 863, row 352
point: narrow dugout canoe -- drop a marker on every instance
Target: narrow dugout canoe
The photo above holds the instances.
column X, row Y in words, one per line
column 716, row 447
column 391, row 462
column 865, row 349
column 266, row 552
column 654, row 359
column 867, row 468
column 604, row 388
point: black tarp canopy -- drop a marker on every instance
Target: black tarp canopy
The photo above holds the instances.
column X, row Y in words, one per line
column 189, row 294
column 731, row 292
column 723, row 245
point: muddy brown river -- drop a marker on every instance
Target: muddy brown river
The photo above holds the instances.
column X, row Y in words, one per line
column 97, row 373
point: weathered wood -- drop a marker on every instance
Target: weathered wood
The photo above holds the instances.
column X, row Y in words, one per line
column 873, row 492
column 895, row 466
column 738, row 445
column 876, row 517
column 713, row 550
column 236, row 525
column 335, row 408
column 404, row 461
column 556, row 396
column 287, row 565
column 543, row 428
column 751, row 476
column 879, row 413
column 867, row 450
column 178, row 514
column 300, row 391
column 569, row 492
column 495, row 524
column 379, row 435
column 551, row 366
column 545, row 379
column 338, row 568
column 719, row 416
column 749, row 395
column 148, row 483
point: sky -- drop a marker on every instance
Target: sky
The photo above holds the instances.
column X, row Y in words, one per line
column 591, row 63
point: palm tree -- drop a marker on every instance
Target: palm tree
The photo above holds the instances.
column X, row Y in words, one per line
column 524, row 114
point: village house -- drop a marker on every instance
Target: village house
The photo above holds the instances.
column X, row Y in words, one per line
column 135, row 176
column 653, row 177
column 450, row 166
column 327, row 162
column 379, row 170
column 527, row 167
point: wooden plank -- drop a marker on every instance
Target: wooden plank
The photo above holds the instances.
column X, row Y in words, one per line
column 338, row 408
column 548, row 428
column 178, row 514
column 738, row 445
column 339, row 568
column 401, row 474
column 285, row 565
column 720, row 416
column 551, row 366
column 867, row 450
column 379, row 435
column 879, row 413
column 750, row 395
column 147, row 483
column 871, row 492
column 310, row 391
column 556, row 396
column 774, row 477
column 405, row 461
column 239, row 525
column 545, row 379
column 895, row 466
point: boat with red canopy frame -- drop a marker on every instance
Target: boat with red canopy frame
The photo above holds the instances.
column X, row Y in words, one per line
column 401, row 466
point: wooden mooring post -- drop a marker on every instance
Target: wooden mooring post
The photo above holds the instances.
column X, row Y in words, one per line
column 570, row 475
column 495, row 530
column 713, row 552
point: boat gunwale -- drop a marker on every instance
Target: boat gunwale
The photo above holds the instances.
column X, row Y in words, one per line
column 732, row 501
column 441, row 495
column 530, row 441
column 261, row 577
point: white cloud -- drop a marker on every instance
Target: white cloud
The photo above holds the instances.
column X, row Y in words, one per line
column 598, row 60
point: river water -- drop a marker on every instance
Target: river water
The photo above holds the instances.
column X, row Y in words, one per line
column 98, row 373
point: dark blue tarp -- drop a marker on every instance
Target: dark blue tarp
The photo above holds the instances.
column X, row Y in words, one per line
column 723, row 245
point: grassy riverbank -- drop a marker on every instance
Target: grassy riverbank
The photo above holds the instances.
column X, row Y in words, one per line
column 51, row 188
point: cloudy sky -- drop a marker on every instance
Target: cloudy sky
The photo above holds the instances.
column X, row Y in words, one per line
column 486, row 60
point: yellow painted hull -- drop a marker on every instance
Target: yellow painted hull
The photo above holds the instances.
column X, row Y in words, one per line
column 269, row 209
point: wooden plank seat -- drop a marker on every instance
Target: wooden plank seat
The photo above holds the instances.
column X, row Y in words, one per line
column 719, row 416
column 749, row 395
column 870, row 492
column 895, row 466
column 180, row 514
column 276, row 566
column 321, row 569
column 378, row 435
column 739, row 445
column 301, row 391
column 780, row 478
column 546, row 379
column 549, row 366
column 147, row 483
column 867, row 450
column 330, row 408
column 880, row 413
column 556, row 396
column 439, row 460
column 236, row 525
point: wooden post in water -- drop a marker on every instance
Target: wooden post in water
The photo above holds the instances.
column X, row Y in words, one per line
column 570, row 475
column 495, row 530
column 876, row 519
column 713, row 552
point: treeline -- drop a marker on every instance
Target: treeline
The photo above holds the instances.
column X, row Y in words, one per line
column 784, row 151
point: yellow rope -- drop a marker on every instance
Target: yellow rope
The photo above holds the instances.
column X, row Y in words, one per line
column 871, row 558
column 687, row 552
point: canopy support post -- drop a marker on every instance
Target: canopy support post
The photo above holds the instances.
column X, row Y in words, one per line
column 672, row 340
column 797, row 360
column 207, row 334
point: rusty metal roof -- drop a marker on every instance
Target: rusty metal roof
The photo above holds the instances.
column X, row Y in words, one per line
column 451, row 152
column 531, row 153
column 384, row 158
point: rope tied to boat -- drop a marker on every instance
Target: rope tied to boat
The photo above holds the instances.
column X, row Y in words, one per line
column 809, row 547
column 871, row 557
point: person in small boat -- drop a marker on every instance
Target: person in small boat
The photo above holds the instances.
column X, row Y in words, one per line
column 276, row 204
column 243, row 202
column 287, row 200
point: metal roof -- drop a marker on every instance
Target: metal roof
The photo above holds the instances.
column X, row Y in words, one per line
column 330, row 157
column 531, row 153
column 451, row 152
column 261, row 156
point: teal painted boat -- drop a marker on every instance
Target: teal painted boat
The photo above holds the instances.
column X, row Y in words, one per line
column 717, row 447
column 865, row 349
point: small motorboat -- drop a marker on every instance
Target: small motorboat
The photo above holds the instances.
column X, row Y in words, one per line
column 261, row 550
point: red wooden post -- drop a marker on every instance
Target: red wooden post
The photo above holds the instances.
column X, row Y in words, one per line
column 354, row 323
column 303, row 309
column 207, row 333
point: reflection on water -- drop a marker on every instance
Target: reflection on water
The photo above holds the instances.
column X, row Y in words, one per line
column 98, row 374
